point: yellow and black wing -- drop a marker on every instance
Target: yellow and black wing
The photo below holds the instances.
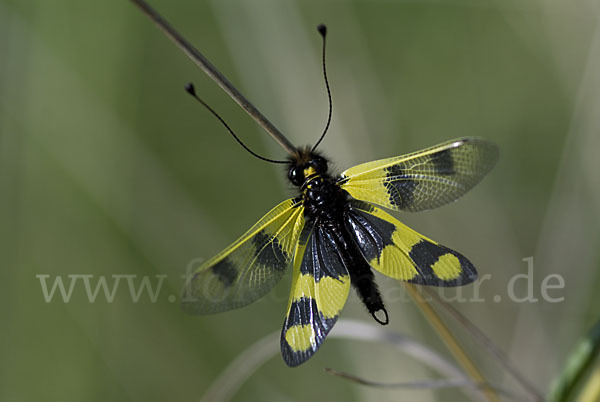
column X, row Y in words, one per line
column 422, row 180
column 399, row 252
column 248, row 268
column 320, row 287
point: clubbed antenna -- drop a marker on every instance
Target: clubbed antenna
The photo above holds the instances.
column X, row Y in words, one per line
column 323, row 31
column 192, row 91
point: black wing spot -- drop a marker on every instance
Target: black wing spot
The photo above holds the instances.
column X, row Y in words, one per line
column 301, row 311
column 225, row 271
column 371, row 234
column 260, row 238
column 323, row 256
column 443, row 162
column 269, row 251
column 425, row 254
column 400, row 187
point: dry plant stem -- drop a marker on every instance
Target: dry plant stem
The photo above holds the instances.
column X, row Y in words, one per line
column 426, row 384
column 225, row 386
column 488, row 344
column 450, row 341
column 216, row 75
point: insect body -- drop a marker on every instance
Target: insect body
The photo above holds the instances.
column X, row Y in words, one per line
column 327, row 208
column 334, row 237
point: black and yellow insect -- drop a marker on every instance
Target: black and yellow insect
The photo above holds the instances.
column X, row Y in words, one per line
column 334, row 236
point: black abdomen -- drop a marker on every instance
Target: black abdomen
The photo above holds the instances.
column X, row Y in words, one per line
column 325, row 205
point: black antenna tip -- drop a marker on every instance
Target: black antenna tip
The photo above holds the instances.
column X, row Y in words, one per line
column 322, row 29
column 189, row 88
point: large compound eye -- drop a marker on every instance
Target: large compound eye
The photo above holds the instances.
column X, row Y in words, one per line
column 319, row 164
column 296, row 176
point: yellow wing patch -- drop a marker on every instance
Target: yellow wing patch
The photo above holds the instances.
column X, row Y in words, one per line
column 300, row 337
column 399, row 252
column 248, row 268
column 329, row 293
column 447, row 267
column 422, row 180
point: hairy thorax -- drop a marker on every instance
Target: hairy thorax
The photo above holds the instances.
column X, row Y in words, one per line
column 323, row 199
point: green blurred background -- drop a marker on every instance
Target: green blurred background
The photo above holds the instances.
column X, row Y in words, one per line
column 108, row 168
